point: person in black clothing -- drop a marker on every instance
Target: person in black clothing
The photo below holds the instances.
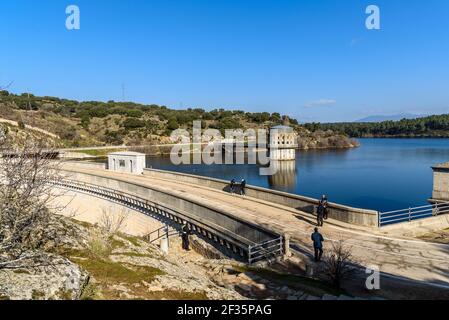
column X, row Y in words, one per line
column 242, row 187
column 317, row 239
column 324, row 204
column 320, row 215
column 185, row 233
column 232, row 186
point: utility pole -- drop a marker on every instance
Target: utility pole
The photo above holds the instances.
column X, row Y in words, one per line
column 123, row 92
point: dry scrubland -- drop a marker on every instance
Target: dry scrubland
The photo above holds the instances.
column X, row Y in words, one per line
column 85, row 261
column 94, row 123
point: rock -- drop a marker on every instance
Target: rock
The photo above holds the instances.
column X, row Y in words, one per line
column 60, row 279
column 260, row 286
column 242, row 277
column 240, row 287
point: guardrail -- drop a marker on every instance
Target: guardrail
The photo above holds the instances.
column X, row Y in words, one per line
column 161, row 233
column 266, row 250
column 412, row 214
column 233, row 242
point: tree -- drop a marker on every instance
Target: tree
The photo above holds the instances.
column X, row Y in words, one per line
column 133, row 123
column 338, row 263
column 275, row 117
column 113, row 223
column 172, row 124
column 26, row 198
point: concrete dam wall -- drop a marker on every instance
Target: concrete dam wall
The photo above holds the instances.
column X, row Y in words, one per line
column 339, row 212
column 237, row 232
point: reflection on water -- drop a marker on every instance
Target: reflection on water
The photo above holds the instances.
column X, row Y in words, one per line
column 285, row 176
column 383, row 174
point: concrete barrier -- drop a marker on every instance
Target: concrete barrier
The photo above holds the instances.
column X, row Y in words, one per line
column 231, row 226
column 362, row 217
column 86, row 164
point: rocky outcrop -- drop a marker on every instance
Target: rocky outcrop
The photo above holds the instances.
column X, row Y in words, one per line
column 325, row 140
column 53, row 278
column 85, row 262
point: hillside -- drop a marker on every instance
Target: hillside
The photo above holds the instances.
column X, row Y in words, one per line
column 94, row 123
column 432, row 126
column 394, row 117
column 89, row 262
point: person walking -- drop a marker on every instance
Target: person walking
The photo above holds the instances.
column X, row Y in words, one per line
column 317, row 239
column 232, row 187
column 320, row 215
column 324, row 204
column 185, row 233
column 242, row 187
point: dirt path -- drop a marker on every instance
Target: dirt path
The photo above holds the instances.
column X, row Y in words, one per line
column 16, row 124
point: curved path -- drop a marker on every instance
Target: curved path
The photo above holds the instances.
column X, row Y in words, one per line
column 397, row 257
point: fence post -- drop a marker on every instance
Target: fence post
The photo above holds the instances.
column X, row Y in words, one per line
column 409, row 214
column 285, row 246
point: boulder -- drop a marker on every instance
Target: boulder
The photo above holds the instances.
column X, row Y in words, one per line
column 55, row 278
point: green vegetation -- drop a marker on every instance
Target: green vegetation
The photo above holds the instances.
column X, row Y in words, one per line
column 96, row 260
column 105, row 123
column 96, row 123
column 134, row 254
column 134, row 240
column 432, row 126
column 106, row 271
column 91, row 292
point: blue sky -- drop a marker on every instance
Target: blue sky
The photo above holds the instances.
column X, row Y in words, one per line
column 311, row 59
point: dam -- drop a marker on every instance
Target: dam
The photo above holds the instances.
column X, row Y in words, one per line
column 264, row 225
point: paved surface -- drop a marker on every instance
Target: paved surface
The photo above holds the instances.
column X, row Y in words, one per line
column 397, row 257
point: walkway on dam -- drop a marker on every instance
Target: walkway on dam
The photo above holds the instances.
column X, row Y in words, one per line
column 398, row 257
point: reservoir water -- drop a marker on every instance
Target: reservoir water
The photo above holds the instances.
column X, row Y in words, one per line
column 383, row 174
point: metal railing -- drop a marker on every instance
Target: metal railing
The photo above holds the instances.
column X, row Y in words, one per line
column 266, row 250
column 160, row 233
column 237, row 244
column 412, row 214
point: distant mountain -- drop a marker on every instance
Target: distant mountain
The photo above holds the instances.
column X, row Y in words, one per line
column 395, row 117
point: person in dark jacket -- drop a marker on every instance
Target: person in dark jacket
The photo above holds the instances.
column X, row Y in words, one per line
column 232, row 188
column 185, row 233
column 324, row 204
column 317, row 239
column 242, row 187
column 320, row 215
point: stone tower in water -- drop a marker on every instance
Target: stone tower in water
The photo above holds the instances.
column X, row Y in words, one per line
column 283, row 143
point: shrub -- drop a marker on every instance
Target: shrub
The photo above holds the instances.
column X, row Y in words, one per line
column 133, row 123
column 338, row 263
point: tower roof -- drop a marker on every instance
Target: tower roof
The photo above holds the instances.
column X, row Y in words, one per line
column 283, row 128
